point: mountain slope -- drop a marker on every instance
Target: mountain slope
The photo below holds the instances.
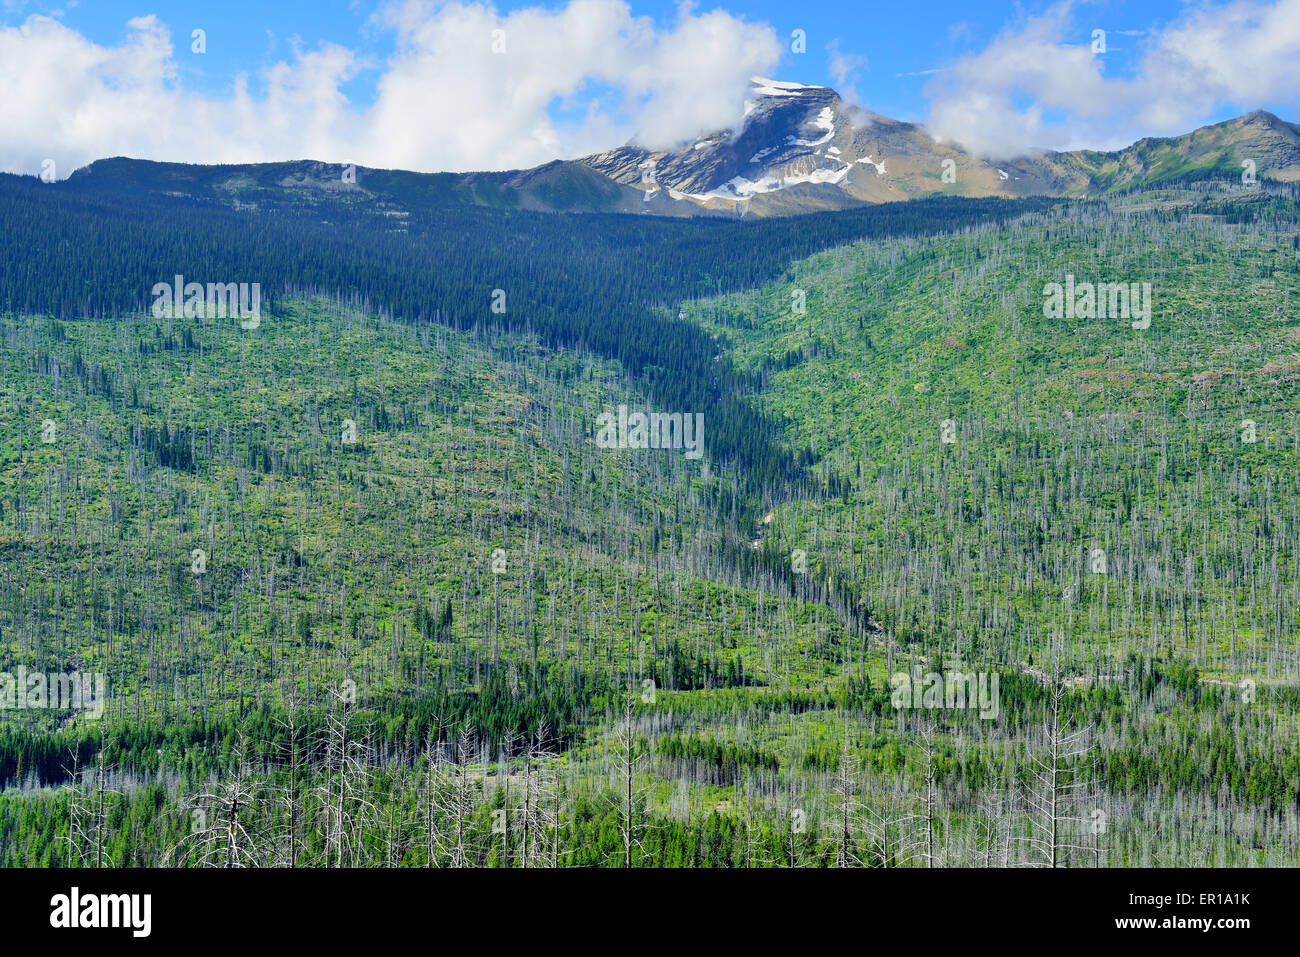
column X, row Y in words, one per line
column 799, row 149
column 623, row 622
column 1270, row 144
column 979, row 450
column 802, row 148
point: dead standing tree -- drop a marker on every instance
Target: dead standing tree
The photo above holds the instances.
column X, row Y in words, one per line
column 290, row 831
column 88, row 811
column 344, row 797
column 434, row 782
column 1056, row 786
column 888, row 824
column 501, row 817
column 754, row 853
column 454, row 797
column 541, row 797
column 848, row 808
column 630, row 797
column 220, row 818
column 915, row 830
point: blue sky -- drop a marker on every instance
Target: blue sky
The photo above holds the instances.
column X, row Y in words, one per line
column 993, row 76
column 898, row 43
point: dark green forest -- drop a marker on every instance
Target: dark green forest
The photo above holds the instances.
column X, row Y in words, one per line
column 591, row 282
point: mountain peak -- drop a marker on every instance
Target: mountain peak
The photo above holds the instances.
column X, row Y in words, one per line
column 762, row 86
column 1260, row 118
column 1263, row 121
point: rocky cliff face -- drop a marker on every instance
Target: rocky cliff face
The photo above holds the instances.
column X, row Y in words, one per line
column 798, row 148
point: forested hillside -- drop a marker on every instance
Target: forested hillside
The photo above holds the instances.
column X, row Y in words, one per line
column 1067, row 498
column 575, row 281
column 366, row 589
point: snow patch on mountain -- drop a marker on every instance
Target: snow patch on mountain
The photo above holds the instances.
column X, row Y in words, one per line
column 741, row 188
column 765, row 87
column 880, row 167
column 825, row 121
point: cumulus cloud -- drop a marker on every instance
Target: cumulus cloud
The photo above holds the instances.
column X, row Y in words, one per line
column 1040, row 85
column 466, row 88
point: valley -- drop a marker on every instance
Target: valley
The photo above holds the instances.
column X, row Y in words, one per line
column 392, row 574
column 437, row 622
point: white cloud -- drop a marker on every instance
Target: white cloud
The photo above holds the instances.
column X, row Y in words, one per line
column 444, row 101
column 72, row 101
column 844, row 69
column 1039, row 84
